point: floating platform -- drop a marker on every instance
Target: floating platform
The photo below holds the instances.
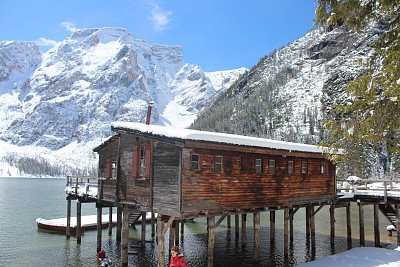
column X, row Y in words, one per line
column 87, row 222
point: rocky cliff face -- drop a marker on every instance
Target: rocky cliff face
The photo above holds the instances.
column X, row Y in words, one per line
column 69, row 95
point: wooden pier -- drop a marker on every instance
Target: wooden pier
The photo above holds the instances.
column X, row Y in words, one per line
column 189, row 174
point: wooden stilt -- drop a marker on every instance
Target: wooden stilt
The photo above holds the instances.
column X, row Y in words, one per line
column 182, row 227
column 153, row 228
column 119, row 224
column 78, row 222
column 68, row 230
column 376, row 226
column 171, row 235
column 361, row 222
column 228, row 222
column 257, row 236
column 211, row 240
column 272, row 227
column 125, row 238
column 244, row 220
column 312, row 228
column 236, row 224
column 99, row 226
column 286, row 232
column 161, row 242
column 110, row 212
column 308, row 215
column 348, row 216
column 143, row 234
column 332, row 221
column 398, row 223
column 291, row 227
column 177, row 233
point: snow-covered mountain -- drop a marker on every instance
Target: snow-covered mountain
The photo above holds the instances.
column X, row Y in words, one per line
column 61, row 102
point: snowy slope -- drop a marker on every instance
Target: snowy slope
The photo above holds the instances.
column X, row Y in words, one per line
column 65, row 99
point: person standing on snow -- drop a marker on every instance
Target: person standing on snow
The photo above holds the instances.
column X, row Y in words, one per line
column 105, row 262
column 177, row 259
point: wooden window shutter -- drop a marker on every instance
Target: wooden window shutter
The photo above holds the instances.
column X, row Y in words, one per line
column 134, row 161
column 108, row 169
column 148, row 161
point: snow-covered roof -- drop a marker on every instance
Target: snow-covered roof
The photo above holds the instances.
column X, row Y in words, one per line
column 195, row 135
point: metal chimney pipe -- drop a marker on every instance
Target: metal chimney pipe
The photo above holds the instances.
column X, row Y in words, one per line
column 149, row 107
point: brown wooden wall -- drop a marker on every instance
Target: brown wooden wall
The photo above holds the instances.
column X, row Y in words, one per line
column 232, row 188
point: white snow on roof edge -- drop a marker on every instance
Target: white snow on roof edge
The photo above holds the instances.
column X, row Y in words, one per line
column 195, row 135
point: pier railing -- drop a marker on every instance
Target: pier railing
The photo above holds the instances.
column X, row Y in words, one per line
column 83, row 186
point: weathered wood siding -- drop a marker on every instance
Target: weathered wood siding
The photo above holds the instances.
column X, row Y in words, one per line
column 166, row 173
column 132, row 189
column 232, row 188
column 107, row 153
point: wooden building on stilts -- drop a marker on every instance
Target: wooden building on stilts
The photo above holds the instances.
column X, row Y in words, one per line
column 183, row 174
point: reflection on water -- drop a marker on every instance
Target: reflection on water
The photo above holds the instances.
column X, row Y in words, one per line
column 21, row 244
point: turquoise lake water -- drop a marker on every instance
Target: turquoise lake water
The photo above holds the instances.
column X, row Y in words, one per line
column 21, row 244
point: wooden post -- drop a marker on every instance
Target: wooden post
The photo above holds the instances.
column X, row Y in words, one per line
column 177, row 233
column 286, row 234
column 68, row 230
column 244, row 220
column 110, row 220
column 332, row 220
column 398, row 223
column 161, row 242
column 119, row 224
column 171, row 236
column 211, row 240
column 125, row 238
column 236, row 224
column 257, row 236
column 312, row 228
column 376, row 225
column 272, row 227
column 153, row 228
column 291, row 231
column 228, row 222
column 348, row 216
column 78, row 222
column 308, row 217
column 361, row 221
column 99, row 228
column 182, row 227
column 143, row 234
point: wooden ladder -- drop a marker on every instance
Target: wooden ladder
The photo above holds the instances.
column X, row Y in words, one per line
column 389, row 211
column 134, row 217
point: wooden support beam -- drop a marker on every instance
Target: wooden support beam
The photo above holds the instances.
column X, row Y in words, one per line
column 272, row 227
column 68, row 230
column 319, row 208
column 171, row 236
column 257, row 236
column 312, row 229
column 125, row 237
column 228, row 222
column 220, row 220
column 182, row 227
column 176, row 233
column 211, row 240
column 332, row 222
column 244, row 220
column 165, row 229
column 110, row 220
column 78, row 222
column 119, row 224
column 161, row 241
column 143, row 234
column 376, row 225
column 397, row 207
column 308, row 216
column 285, row 232
column 153, row 228
column 361, row 222
column 291, row 228
column 236, row 224
column 348, row 217
column 99, row 226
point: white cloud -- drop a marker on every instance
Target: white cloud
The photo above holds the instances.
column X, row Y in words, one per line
column 69, row 26
column 160, row 17
column 45, row 42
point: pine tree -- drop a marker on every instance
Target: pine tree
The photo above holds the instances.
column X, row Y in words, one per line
column 372, row 114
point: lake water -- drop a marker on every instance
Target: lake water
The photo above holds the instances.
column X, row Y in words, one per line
column 21, row 244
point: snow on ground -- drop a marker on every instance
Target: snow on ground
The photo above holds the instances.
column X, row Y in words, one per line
column 360, row 257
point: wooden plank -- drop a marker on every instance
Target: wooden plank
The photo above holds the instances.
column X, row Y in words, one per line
column 143, row 234
column 211, row 240
column 244, row 219
column 257, row 236
column 332, row 223
column 348, row 217
column 161, row 241
column 99, row 226
column 78, row 222
column 361, row 223
column 376, row 225
column 68, row 230
column 125, row 237
column 286, row 233
column 272, row 226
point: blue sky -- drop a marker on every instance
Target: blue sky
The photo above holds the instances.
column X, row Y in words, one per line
column 214, row 34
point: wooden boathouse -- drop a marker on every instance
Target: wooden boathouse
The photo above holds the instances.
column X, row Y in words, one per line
column 182, row 174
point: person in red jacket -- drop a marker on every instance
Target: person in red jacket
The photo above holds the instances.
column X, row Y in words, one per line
column 177, row 259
